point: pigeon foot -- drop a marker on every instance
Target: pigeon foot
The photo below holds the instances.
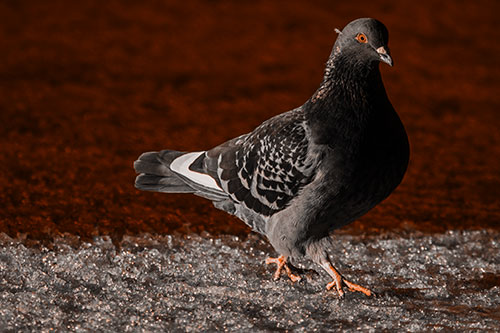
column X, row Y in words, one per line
column 281, row 262
column 339, row 281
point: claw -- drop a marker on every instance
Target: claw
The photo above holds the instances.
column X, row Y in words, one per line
column 339, row 280
column 281, row 262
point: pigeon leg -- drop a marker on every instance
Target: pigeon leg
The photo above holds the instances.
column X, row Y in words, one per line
column 339, row 280
column 281, row 262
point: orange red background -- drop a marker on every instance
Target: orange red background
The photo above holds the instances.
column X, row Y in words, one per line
column 85, row 88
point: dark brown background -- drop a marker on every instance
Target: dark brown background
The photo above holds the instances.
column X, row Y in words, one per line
column 86, row 88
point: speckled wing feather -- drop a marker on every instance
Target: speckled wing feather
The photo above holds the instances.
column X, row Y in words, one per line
column 265, row 169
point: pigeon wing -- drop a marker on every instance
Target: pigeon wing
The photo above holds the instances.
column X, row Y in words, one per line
column 265, row 169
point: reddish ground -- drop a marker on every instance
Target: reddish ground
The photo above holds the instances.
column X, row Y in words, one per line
column 85, row 89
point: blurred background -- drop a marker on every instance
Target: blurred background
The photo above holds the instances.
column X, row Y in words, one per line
column 86, row 87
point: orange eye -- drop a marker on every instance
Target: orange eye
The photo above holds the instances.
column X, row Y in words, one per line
column 361, row 38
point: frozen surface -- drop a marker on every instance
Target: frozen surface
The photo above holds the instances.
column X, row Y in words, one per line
column 440, row 282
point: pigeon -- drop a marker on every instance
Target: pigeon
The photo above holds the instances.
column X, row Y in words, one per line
column 304, row 173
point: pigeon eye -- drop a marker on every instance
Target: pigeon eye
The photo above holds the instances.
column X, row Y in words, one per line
column 361, row 38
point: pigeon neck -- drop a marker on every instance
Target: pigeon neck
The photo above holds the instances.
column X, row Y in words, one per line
column 351, row 70
column 351, row 90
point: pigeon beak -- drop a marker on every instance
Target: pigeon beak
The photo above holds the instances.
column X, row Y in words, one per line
column 384, row 55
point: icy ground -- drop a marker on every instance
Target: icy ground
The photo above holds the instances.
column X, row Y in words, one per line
column 189, row 283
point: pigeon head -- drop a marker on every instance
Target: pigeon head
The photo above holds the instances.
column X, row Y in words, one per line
column 364, row 40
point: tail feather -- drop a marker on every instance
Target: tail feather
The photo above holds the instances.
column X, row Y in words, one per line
column 156, row 163
column 155, row 174
column 161, row 184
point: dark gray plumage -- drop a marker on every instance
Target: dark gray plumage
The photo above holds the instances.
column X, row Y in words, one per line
column 306, row 172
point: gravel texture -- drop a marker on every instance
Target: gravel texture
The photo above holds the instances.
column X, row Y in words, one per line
column 438, row 282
